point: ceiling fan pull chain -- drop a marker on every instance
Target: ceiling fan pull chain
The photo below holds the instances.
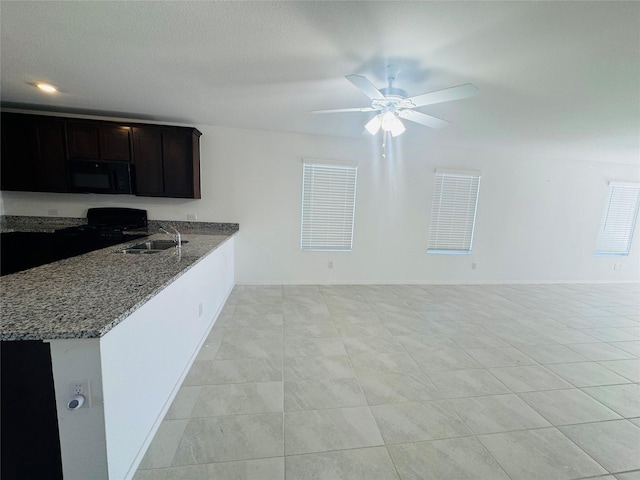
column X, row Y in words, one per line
column 384, row 144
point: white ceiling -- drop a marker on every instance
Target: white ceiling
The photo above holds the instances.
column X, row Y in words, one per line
column 560, row 79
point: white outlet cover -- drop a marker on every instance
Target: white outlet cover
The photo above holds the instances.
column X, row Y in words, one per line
column 81, row 387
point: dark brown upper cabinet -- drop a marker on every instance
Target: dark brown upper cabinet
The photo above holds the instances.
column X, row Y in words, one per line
column 167, row 161
column 147, row 148
column 99, row 141
column 17, row 159
column 50, row 156
column 33, row 153
column 37, row 149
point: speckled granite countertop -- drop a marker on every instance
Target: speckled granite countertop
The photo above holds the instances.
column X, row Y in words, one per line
column 88, row 295
column 14, row 223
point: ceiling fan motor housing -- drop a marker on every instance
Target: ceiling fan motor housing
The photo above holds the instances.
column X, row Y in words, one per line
column 394, row 98
column 393, row 92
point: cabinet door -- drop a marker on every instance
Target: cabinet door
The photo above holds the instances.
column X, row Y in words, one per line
column 33, row 154
column 49, row 157
column 115, row 143
column 83, row 141
column 95, row 141
column 178, row 164
column 147, row 150
column 18, row 172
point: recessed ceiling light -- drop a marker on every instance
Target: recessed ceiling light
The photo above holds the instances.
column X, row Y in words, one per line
column 46, row 87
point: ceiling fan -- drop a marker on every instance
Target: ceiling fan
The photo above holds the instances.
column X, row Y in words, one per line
column 394, row 104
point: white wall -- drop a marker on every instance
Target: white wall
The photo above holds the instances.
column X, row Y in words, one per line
column 537, row 217
column 146, row 357
column 135, row 371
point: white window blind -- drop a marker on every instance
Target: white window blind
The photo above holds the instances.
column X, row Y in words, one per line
column 618, row 219
column 453, row 213
column 328, row 206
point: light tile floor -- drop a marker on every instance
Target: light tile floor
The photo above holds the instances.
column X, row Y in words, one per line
column 411, row 382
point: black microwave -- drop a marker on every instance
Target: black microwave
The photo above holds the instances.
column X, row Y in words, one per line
column 87, row 176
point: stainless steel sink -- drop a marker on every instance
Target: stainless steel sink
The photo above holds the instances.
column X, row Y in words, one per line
column 151, row 246
column 155, row 245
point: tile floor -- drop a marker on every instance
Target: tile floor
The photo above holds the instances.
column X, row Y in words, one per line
column 518, row 382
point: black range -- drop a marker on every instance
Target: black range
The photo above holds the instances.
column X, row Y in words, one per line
column 105, row 227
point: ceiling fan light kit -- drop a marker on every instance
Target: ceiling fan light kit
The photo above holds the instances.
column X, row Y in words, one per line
column 391, row 123
column 388, row 121
column 373, row 125
column 394, row 104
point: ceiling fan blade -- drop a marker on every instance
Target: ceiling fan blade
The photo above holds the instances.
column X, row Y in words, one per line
column 341, row 110
column 365, row 86
column 423, row 119
column 445, row 95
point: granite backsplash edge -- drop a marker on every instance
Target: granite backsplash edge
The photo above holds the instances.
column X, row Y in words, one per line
column 19, row 223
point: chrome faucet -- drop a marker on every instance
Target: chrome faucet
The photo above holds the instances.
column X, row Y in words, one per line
column 177, row 239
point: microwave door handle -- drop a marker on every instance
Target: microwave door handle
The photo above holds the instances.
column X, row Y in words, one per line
column 115, row 181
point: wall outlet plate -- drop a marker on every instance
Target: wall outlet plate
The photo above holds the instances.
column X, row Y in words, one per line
column 81, row 387
column 192, row 217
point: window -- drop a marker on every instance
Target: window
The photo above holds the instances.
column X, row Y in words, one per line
column 453, row 211
column 328, row 205
column 618, row 219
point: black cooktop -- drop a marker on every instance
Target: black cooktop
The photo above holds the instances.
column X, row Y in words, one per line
column 108, row 222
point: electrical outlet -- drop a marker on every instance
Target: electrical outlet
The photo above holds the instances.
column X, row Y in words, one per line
column 81, row 387
column 330, row 263
column 474, row 266
column 53, row 212
column 192, row 217
column 200, row 309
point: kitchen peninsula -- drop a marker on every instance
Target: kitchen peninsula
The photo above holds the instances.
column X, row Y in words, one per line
column 128, row 326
